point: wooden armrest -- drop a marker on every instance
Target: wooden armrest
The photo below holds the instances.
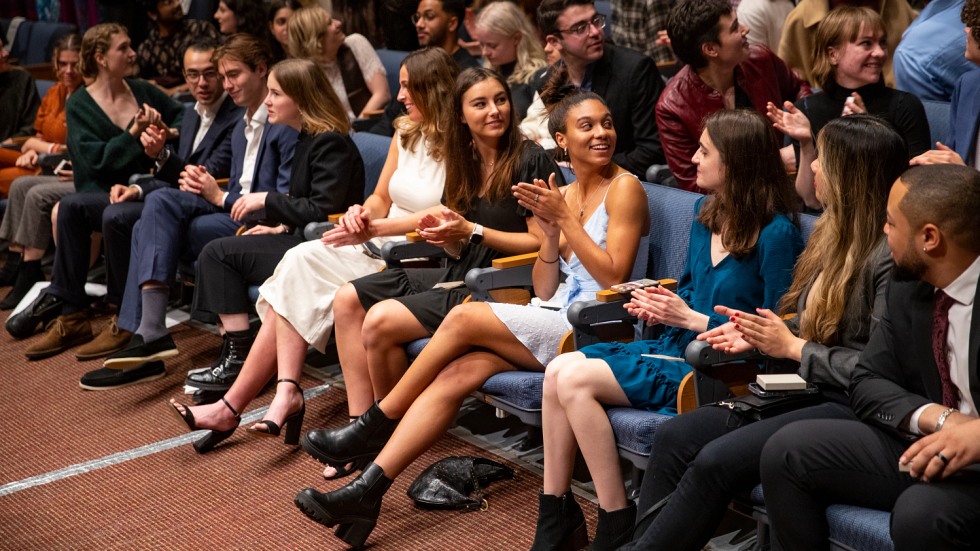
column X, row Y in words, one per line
column 514, row 261
column 222, row 183
column 608, row 295
column 373, row 113
column 334, row 218
column 413, row 237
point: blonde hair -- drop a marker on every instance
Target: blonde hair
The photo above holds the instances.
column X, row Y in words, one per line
column 307, row 85
column 431, row 79
column 306, row 29
column 860, row 157
column 839, row 26
column 96, row 41
column 506, row 19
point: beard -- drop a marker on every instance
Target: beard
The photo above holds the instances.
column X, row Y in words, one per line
column 909, row 267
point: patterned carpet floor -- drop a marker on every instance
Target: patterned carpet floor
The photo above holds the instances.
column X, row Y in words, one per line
column 113, row 470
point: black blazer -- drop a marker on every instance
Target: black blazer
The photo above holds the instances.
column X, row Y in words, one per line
column 214, row 151
column 630, row 83
column 327, row 176
column 897, row 372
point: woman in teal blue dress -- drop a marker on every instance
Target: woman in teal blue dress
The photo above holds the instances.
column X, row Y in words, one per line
column 742, row 249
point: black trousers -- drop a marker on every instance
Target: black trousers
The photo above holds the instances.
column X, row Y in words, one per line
column 228, row 266
column 700, row 461
column 79, row 215
column 811, row 464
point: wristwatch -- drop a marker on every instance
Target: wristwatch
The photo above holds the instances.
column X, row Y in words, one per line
column 476, row 237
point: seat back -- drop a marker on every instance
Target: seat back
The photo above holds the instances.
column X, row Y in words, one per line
column 391, row 60
column 937, row 113
column 374, row 153
column 34, row 41
column 671, row 216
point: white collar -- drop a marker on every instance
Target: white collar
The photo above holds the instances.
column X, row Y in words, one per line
column 963, row 289
column 212, row 109
column 259, row 118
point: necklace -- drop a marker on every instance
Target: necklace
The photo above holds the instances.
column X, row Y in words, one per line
column 583, row 204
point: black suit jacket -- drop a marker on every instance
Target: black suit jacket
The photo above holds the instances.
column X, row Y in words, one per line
column 214, row 151
column 630, row 83
column 327, row 177
column 897, row 372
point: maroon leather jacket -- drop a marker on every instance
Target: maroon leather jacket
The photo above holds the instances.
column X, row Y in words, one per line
column 687, row 100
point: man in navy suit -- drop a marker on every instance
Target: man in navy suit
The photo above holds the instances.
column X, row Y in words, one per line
column 916, row 388
column 115, row 213
column 179, row 222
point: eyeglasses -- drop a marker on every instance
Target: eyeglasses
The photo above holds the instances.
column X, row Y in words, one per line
column 428, row 15
column 193, row 76
column 582, row 27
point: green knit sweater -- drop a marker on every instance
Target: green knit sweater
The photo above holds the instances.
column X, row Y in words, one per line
column 102, row 154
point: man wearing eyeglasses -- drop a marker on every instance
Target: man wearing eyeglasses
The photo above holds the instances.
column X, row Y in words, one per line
column 627, row 80
column 205, row 138
column 160, row 54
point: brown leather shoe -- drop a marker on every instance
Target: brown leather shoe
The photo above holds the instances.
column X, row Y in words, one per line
column 111, row 339
column 62, row 333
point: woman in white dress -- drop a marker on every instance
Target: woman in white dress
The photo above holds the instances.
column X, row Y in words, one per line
column 411, row 181
column 352, row 66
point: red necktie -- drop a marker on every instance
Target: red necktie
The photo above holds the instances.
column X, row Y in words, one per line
column 940, row 327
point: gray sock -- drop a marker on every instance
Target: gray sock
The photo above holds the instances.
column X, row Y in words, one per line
column 153, row 323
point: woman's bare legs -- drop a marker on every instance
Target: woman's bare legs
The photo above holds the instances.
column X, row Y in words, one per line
column 467, row 326
column 259, row 366
column 583, row 386
column 388, row 326
column 350, row 349
column 290, row 353
column 436, row 407
column 559, row 440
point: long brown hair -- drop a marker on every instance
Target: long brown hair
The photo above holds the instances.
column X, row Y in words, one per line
column 307, row 85
column 431, row 77
column 756, row 185
column 464, row 178
column 860, row 157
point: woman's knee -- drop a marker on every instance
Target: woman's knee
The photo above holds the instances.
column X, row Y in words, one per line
column 346, row 303
column 576, row 383
column 382, row 323
column 468, row 319
column 554, row 368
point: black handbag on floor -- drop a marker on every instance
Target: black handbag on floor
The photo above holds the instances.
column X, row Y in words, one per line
column 448, row 483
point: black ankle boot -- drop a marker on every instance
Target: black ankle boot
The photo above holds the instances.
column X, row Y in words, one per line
column 28, row 274
column 220, row 375
column 561, row 524
column 615, row 528
column 8, row 274
column 355, row 441
column 355, row 507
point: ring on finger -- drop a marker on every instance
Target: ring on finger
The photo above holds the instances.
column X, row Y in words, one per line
column 943, row 458
column 535, row 198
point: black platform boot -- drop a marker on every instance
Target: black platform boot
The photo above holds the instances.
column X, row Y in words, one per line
column 220, row 375
column 561, row 524
column 615, row 528
column 354, row 509
column 355, row 441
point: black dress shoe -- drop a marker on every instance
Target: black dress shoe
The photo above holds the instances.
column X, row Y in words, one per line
column 137, row 352
column 25, row 323
column 108, row 379
column 223, row 372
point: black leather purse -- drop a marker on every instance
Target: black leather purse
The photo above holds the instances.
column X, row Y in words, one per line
column 757, row 408
column 449, row 483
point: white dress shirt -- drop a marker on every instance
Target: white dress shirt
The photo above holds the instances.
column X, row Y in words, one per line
column 254, row 128
column 207, row 114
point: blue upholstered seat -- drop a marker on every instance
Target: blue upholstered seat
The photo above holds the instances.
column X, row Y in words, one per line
column 391, row 60
column 937, row 113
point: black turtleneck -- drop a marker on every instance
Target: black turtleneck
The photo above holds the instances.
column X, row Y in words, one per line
column 904, row 111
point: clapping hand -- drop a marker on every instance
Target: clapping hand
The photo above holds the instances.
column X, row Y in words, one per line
column 790, row 121
column 765, row 331
column 659, row 305
column 545, row 201
column 353, row 228
column 726, row 338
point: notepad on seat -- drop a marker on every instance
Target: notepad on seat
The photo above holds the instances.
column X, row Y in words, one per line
column 781, row 381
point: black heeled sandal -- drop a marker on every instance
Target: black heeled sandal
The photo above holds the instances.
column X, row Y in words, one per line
column 213, row 437
column 293, row 424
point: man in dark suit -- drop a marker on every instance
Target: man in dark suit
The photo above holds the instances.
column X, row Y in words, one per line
column 180, row 222
column 115, row 213
column 627, row 80
column 916, row 389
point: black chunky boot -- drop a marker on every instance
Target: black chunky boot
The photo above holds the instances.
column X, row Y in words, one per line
column 220, row 375
column 355, row 441
column 28, row 274
column 614, row 529
column 354, row 509
column 561, row 524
